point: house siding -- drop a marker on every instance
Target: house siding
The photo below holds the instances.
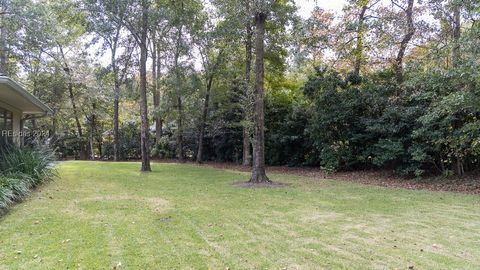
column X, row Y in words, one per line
column 16, row 122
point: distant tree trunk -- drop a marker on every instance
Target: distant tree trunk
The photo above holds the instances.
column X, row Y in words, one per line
column 116, row 101
column 81, row 142
column 258, row 171
column 398, row 66
column 360, row 37
column 459, row 168
column 3, row 46
column 248, row 70
column 201, row 132
column 100, row 146
column 92, row 131
column 210, row 76
column 35, row 93
column 456, row 35
column 143, row 91
column 53, row 130
column 179, row 149
column 159, row 122
column 156, row 90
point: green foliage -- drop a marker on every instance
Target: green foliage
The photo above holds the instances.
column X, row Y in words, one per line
column 336, row 126
column 287, row 141
column 428, row 124
column 163, row 148
column 129, row 134
column 22, row 169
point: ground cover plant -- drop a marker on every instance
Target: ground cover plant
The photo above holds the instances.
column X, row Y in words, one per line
column 23, row 169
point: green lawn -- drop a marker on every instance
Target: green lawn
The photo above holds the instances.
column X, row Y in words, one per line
column 97, row 215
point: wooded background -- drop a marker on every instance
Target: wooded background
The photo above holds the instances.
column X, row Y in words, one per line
column 383, row 84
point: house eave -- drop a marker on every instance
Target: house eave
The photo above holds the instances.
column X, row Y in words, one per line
column 42, row 108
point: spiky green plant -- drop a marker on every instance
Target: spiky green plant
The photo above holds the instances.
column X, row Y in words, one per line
column 22, row 169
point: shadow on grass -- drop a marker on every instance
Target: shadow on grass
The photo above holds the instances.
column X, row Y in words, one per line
column 243, row 184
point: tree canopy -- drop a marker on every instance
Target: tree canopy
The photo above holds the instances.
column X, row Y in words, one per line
column 382, row 84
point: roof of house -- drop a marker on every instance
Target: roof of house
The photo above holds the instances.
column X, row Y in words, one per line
column 16, row 96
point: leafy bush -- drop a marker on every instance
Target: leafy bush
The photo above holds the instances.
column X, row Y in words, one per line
column 163, row 148
column 21, row 170
column 129, row 134
column 429, row 124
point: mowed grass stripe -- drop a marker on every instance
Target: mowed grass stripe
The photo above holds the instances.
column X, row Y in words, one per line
column 100, row 214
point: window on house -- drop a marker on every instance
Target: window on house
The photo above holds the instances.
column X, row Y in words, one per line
column 6, row 126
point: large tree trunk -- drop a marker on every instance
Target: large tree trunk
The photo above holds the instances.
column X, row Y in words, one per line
column 398, row 66
column 360, row 37
column 179, row 149
column 258, row 171
column 247, row 157
column 143, row 92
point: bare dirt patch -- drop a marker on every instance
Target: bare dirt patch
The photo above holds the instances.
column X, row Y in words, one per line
column 260, row 185
column 470, row 184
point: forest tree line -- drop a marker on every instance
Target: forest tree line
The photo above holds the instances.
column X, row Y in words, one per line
column 383, row 84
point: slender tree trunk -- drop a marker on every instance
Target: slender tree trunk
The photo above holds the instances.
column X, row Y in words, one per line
column 201, row 132
column 456, row 35
column 360, row 36
column 100, row 148
column 83, row 154
column 92, row 132
column 248, row 70
column 158, row 119
column 3, row 37
column 210, row 76
column 156, row 94
column 35, row 93
column 179, row 149
column 258, row 171
column 459, row 170
column 143, row 91
column 116, row 101
column 53, row 130
column 3, row 46
column 81, row 142
column 398, row 66
column 116, row 135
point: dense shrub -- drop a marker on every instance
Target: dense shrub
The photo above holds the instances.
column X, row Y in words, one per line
column 286, row 138
column 21, row 170
column 129, row 135
column 429, row 124
column 164, row 148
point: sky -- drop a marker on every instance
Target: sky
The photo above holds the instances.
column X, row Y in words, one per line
column 305, row 7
